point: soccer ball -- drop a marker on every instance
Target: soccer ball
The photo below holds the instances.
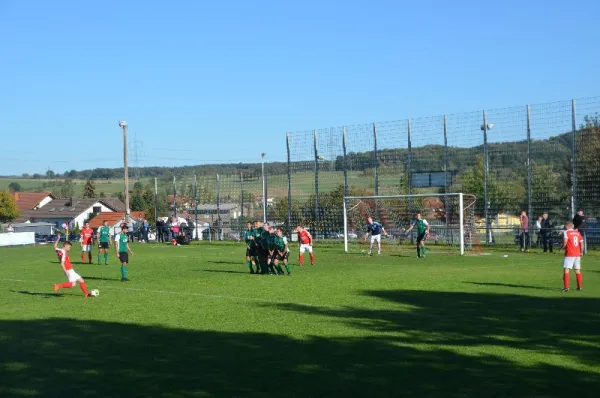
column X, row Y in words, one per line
column 95, row 292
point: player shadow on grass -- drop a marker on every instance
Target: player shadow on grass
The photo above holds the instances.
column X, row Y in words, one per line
column 224, row 271
column 39, row 294
column 513, row 285
column 420, row 343
column 226, row 262
column 98, row 278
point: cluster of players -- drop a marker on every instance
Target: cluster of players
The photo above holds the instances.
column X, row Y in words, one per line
column 267, row 248
column 86, row 241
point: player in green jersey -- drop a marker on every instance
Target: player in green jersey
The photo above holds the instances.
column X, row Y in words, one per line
column 249, row 238
column 123, row 250
column 259, row 254
column 264, row 247
column 103, row 241
column 422, row 232
column 282, row 252
column 271, row 247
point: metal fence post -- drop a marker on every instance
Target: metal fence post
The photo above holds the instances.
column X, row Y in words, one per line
column 242, row 224
column 174, row 198
column 220, row 226
column 345, row 160
column 485, row 180
column 573, row 159
column 447, row 205
column 289, row 177
column 375, row 159
column 196, row 206
column 409, row 170
column 316, row 148
column 529, row 177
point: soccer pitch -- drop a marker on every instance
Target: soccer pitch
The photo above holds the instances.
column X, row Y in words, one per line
column 194, row 322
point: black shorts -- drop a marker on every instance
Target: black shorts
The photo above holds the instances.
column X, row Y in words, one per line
column 421, row 237
column 250, row 251
column 124, row 257
column 103, row 245
column 263, row 253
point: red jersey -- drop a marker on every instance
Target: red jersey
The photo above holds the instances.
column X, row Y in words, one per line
column 63, row 256
column 305, row 238
column 573, row 242
column 86, row 236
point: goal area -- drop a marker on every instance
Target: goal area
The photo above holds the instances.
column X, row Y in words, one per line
column 451, row 217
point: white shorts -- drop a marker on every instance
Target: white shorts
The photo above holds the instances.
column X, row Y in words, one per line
column 86, row 248
column 72, row 276
column 304, row 247
column 572, row 262
column 375, row 238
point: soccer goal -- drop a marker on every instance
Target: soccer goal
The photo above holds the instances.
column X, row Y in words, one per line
column 451, row 217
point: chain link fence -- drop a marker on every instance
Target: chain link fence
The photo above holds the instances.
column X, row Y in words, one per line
column 542, row 158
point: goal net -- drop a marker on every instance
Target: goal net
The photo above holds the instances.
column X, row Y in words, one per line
column 451, row 218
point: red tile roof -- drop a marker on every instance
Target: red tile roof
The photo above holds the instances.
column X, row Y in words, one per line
column 113, row 218
column 29, row 200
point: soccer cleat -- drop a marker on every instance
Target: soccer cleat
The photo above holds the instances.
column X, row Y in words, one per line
column 579, row 289
column 251, row 271
column 88, row 295
column 124, row 280
column 56, row 287
column 564, row 290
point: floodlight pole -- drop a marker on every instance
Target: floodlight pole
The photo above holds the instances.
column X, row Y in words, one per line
column 123, row 125
column 264, row 191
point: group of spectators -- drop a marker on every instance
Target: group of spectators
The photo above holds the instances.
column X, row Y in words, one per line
column 543, row 229
column 171, row 229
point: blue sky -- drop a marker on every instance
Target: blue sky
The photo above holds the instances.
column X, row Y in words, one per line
column 205, row 81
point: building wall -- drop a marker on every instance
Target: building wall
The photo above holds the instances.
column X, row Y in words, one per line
column 59, row 219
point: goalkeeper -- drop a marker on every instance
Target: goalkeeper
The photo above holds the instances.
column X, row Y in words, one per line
column 422, row 232
column 375, row 229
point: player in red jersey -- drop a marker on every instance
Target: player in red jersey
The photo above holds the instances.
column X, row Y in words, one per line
column 72, row 276
column 573, row 245
column 86, row 240
column 306, row 241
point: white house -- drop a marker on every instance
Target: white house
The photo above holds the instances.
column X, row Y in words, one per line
column 73, row 211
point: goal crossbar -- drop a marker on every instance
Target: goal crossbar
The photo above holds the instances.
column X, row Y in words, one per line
column 461, row 220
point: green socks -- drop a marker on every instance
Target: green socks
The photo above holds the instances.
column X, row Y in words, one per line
column 250, row 265
column 123, row 272
column 105, row 258
column 423, row 251
column 99, row 256
column 287, row 268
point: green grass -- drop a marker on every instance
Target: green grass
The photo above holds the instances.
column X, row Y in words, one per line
column 109, row 187
column 193, row 322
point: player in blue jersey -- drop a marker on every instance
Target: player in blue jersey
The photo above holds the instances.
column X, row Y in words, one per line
column 374, row 229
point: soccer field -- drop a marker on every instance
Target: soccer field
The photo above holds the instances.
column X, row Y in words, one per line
column 194, row 322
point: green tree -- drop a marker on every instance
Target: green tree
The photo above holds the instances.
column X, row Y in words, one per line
column 89, row 190
column 66, row 189
column 14, row 187
column 503, row 196
column 50, row 174
column 8, row 207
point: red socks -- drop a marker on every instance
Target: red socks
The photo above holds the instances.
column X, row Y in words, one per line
column 579, row 279
column 83, row 288
column 66, row 285
column 82, row 258
column 566, row 280
column 312, row 258
column 301, row 258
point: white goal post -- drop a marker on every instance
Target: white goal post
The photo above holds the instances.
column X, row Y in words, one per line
column 451, row 216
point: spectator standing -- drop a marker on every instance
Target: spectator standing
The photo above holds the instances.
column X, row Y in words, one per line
column 524, row 231
column 579, row 225
column 146, row 230
column 174, row 227
column 538, row 231
column 546, row 232
column 160, row 227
